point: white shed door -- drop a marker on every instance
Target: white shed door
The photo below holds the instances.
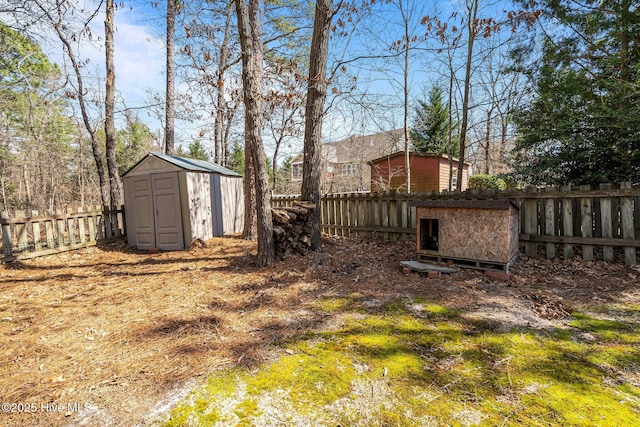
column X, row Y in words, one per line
column 168, row 218
column 143, row 233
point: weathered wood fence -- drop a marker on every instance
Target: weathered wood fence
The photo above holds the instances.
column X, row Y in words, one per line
column 27, row 235
column 553, row 220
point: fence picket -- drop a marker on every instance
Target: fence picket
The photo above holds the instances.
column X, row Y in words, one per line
column 7, row 242
column 550, row 223
column 48, row 226
column 36, row 232
column 606, row 222
column 71, row 228
column 531, row 224
column 21, row 232
column 60, row 229
column 63, row 231
column 567, row 223
column 586, row 214
column 627, row 225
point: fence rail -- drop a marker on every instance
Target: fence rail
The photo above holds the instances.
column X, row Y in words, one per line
column 28, row 235
column 553, row 220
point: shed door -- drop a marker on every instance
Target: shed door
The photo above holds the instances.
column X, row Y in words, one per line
column 168, row 218
column 143, row 233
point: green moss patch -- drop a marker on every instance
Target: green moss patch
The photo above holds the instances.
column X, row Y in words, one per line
column 411, row 362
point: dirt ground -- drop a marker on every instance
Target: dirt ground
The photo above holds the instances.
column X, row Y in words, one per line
column 111, row 336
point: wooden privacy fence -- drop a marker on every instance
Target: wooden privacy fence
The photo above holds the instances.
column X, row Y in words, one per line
column 575, row 219
column 44, row 233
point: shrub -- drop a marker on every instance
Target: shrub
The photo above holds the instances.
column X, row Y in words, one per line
column 487, row 182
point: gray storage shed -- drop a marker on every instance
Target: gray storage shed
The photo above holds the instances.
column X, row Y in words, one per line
column 172, row 200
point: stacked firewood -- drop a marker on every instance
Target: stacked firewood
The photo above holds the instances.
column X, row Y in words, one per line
column 292, row 229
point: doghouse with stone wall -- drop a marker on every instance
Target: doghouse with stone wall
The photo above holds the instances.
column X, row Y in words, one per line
column 171, row 201
column 479, row 234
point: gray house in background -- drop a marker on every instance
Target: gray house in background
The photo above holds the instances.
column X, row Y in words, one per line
column 172, row 200
column 345, row 163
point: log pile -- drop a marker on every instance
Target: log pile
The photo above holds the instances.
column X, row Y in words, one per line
column 292, row 229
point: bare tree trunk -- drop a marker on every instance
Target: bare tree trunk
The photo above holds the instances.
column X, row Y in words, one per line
column 95, row 151
column 472, row 7
column 250, row 231
column 487, row 140
column 220, row 101
column 250, row 29
column 170, row 111
column 230, row 114
column 407, row 163
column 314, row 114
column 115, row 186
column 450, row 131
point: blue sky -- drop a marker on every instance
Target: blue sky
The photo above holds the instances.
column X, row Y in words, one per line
column 140, row 66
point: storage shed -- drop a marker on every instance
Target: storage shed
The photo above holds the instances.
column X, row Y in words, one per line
column 172, row 200
column 429, row 172
column 474, row 233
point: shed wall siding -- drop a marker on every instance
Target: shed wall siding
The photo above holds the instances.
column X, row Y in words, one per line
column 184, row 207
column 388, row 174
column 444, row 175
column 424, row 174
column 198, row 203
column 232, row 202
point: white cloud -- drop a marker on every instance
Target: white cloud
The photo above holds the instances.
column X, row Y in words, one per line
column 139, row 58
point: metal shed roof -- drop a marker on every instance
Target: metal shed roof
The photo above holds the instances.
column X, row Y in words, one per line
column 189, row 164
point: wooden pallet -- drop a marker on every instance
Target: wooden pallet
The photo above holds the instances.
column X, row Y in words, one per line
column 425, row 268
column 470, row 263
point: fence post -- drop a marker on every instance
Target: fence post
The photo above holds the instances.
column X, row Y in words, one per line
column 586, row 216
column 71, row 226
column 124, row 221
column 60, row 228
column 91, row 224
column 100, row 222
column 48, row 228
column 21, row 231
column 393, row 219
column 403, row 215
column 7, row 243
column 550, row 222
column 567, row 222
column 81, row 229
column 36, row 232
column 626, row 220
column 108, row 222
column 606, row 223
column 531, row 223
column 340, row 219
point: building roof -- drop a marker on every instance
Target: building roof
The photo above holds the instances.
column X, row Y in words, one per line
column 360, row 148
column 412, row 154
column 188, row 164
column 466, row 204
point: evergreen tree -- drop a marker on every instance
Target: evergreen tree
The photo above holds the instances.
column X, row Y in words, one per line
column 132, row 143
column 197, row 151
column 583, row 126
column 236, row 158
column 430, row 127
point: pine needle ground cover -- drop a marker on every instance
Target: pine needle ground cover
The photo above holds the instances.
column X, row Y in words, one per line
column 110, row 336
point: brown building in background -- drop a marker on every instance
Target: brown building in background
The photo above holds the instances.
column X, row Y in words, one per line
column 428, row 172
column 345, row 163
